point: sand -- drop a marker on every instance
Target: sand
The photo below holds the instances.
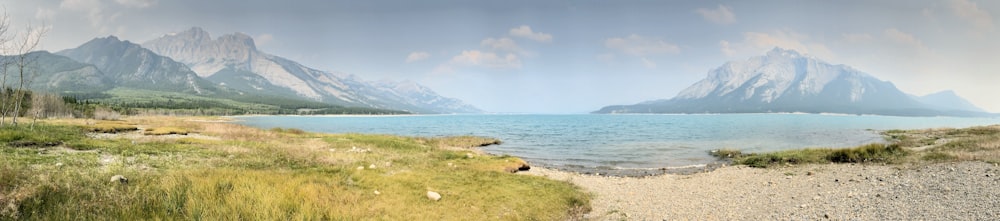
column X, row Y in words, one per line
column 940, row 191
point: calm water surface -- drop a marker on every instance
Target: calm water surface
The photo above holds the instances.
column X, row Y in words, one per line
column 628, row 141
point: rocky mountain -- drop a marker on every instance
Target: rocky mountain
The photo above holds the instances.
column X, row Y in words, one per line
column 60, row 74
column 787, row 81
column 234, row 61
column 127, row 64
column 948, row 100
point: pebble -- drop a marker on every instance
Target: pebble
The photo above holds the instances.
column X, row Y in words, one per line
column 377, row 193
column 361, row 168
column 371, row 166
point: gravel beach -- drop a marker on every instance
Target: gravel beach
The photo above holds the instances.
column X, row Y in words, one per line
column 968, row 190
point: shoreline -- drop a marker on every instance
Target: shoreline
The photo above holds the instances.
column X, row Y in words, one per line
column 945, row 190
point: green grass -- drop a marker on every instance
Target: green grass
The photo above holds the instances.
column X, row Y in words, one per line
column 251, row 174
column 871, row 153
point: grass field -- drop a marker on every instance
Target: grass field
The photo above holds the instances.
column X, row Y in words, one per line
column 904, row 146
column 222, row 171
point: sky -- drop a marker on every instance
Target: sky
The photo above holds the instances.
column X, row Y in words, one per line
column 566, row 56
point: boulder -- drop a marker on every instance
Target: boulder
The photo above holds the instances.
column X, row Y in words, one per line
column 433, row 195
column 119, row 179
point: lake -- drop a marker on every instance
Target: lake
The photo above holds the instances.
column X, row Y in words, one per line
column 627, row 141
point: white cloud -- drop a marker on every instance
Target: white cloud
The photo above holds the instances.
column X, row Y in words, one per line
column 649, row 64
column 501, row 44
column 641, row 46
column 721, row 15
column 263, row 39
column 755, row 43
column 902, row 37
column 80, row 5
column 971, row 12
column 44, row 14
column 417, row 56
column 858, row 37
column 525, row 31
column 476, row 58
column 137, row 3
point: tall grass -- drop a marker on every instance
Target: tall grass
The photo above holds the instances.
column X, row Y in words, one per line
column 251, row 174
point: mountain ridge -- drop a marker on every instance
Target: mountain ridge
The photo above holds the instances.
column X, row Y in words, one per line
column 786, row 81
column 233, row 60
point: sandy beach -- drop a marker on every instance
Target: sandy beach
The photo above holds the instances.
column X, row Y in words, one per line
column 967, row 190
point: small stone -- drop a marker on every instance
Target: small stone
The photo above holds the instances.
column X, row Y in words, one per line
column 803, row 206
column 377, row 193
column 361, row 168
column 469, row 155
column 61, row 164
column 878, row 195
column 451, row 165
column 826, row 215
column 433, row 195
column 371, row 166
column 810, row 173
column 119, row 178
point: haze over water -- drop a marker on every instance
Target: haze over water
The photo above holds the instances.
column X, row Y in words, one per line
column 628, row 141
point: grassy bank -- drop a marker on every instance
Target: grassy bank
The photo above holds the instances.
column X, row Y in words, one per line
column 223, row 171
column 904, row 146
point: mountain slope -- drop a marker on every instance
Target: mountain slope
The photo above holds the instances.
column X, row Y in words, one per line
column 786, row 81
column 948, row 100
column 234, row 61
column 129, row 65
column 60, row 74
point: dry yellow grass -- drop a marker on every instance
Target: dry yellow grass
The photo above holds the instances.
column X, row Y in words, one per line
column 236, row 172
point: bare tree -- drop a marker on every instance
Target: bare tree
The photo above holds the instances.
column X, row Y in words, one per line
column 5, row 62
column 25, row 64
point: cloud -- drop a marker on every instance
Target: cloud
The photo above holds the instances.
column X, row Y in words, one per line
column 263, row 39
column 525, row 31
column 137, row 3
column 501, row 44
column 476, row 58
column 487, row 59
column 755, row 43
column 641, row 46
column 417, row 56
column 857, row 38
column 80, row 5
column 722, row 15
column 971, row 12
column 902, row 37
column 44, row 14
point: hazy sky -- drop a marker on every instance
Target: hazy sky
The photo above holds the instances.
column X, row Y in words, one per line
column 567, row 56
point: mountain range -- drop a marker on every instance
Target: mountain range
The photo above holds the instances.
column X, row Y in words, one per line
column 229, row 67
column 786, row 81
column 233, row 61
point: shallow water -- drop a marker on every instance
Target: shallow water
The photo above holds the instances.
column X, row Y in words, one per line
column 628, row 141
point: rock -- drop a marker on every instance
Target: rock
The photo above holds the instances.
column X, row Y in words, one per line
column 469, row 155
column 803, row 206
column 377, row 193
column 119, row 179
column 361, row 168
column 810, row 173
column 826, row 215
column 371, row 166
column 510, row 169
column 524, row 167
column 61, row 164
column 433, row 195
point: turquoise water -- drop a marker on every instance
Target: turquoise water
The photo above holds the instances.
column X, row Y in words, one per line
column 628, row 141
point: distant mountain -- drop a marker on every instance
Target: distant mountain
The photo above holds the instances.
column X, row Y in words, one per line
column 60, row 74
column 787, row 81
column 129, row 65
column 233, row 61
column 948, row 100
